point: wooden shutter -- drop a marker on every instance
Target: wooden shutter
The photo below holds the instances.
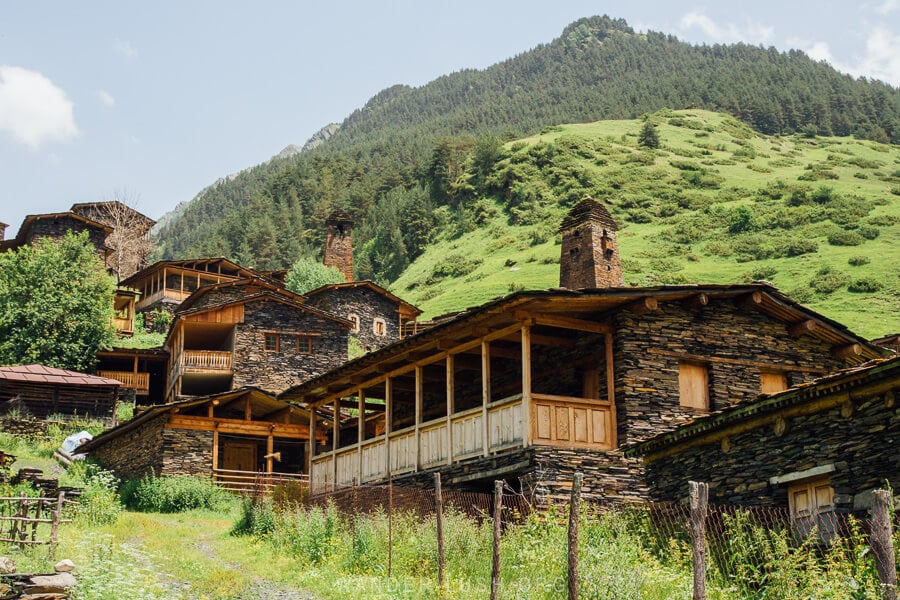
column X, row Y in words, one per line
column 772, row 382
column 693, row 385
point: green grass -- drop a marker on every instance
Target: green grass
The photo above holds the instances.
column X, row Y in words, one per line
column 743, row 167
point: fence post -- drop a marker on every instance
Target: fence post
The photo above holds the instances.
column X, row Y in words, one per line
column 54, row 524
column 439, row 517
column 495, row 563
column 574, row 513
column 699, row 493
column 390, row 524
column 883, row 544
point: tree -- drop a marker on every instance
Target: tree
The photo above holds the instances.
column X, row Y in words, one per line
column 648, row 137
column 56, row 304
column 129, row 241
column 307, row 274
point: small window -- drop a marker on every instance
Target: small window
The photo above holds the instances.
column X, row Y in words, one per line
column 379, row 327
column 812, row 507
column 693, row 385
column 304, row 344
column 355, row 320
column 772, row 382
column 271, row 342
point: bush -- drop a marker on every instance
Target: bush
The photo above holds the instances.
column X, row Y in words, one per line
column 827, row 280
column 868, row 232
column 169, row 494
column 865, row 285
column 454, row 265
column 858, row 261
column 845, row 238
column 99, row 504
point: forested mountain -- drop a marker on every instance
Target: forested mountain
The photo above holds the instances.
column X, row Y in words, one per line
column 410, row 151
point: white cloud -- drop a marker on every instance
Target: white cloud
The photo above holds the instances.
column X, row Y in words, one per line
column 33, row 110
column 752, row 33
column 887, row 7
column 124, row 48
column 880, row 61
column 106, row 99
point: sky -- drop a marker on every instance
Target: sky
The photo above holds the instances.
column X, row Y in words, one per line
column 151, row 102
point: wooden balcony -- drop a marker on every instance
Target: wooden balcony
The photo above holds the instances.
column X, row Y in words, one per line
column 205, row 360
column 248, row 482
column 178, row 296
column 124, row 326
column 140, row 382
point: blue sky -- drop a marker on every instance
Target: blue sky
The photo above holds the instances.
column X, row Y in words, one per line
column 156, row 100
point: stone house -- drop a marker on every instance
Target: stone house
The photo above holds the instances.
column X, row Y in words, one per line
column 816, row 448
column 40, row 391
column 230, row 437
column 540, row 384
column 378, row 317
column 249, row 332
column 55, row 226
column 129, row 239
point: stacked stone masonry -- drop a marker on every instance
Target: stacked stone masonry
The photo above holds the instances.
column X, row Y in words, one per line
column 367, row 305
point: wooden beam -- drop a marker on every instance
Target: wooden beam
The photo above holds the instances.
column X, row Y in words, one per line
column 695, row 302
column 526, row 385
column 802, row 328
column 248, row 409
column 642, row 306
column 751, row 300
column 485, row 394
column 566, row 322
column 842, row 352
column 703, row 358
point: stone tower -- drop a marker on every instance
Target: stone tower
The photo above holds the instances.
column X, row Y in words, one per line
column 3, row 227
column 339, row 244
column 590, row 255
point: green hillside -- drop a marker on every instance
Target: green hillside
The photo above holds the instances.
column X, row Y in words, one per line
column 403, row 150
column 717, row 202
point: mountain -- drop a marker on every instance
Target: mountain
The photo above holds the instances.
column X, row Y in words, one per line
column 414, row 162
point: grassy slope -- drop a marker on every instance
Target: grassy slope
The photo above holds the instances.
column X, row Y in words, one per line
column 643, row 246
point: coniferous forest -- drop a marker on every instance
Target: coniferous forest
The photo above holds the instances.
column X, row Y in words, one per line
column 410, row 151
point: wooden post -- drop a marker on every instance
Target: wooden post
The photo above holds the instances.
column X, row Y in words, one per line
column 388, row 424
column 450, row 407
column 883, row 545
column 574, row 514
column 495, row 563
column 526, row 385
column 699, row 494
column 215, row 450
column 390, row 523
column 54, row 523
column 360, row 432
column 420, row 392
column 270, row 450
column 439, row 518
column 485, row 394
column 335, row 442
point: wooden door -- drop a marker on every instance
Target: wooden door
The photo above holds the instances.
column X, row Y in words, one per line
column 239, row 456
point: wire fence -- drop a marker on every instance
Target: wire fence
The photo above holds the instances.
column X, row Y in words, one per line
column 736, row 544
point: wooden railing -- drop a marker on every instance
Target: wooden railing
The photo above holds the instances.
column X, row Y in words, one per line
column 428, row 445
column 131, row 380
column 169, row 293
column 123, row 325
column 570, row 421
column 255, row 481
column 206, row 359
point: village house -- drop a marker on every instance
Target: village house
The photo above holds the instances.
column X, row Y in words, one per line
column 40, row 391
column 141, row 372
column 129, row 239
column 249, row 332
column 816, row 448
column 55, row 226
column 540, row 384
column 230, row 437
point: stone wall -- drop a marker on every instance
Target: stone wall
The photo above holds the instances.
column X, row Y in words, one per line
column 26, row 428
column 56, row 228
column 862, row 448
column 186, row 452
column 367, row 304
column 277, row 371
column 647, row 391
column 135, row 453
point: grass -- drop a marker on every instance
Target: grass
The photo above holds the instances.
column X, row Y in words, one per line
column 655, row 206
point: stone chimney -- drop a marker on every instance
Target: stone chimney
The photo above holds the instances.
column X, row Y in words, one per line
column 339, row 244
column 3, row 227
column 590, row 255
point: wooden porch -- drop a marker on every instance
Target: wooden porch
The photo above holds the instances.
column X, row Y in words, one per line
column 425, row 415
column 139, row 382
column 250, row 482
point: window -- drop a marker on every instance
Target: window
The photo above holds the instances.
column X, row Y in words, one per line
column 271, row 342
column 772, row 382
column 693, row 385
column 812, row 507
column 305, row 344
column 379, row 327
column 355, row 320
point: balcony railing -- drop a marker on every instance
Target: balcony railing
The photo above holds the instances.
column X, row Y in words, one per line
column 123, row 325
column 131, row 380
column 206, row 360
column 255, row 481
column 168, row 293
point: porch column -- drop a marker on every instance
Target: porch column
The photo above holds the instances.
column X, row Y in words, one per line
column 215, row 449
column 335, row 442
column 485, row 394
column 526, row 385
column 611, row 389
column 360, row 432
column 388, row 425
column 449, row 409
column 270, row 449
column 418, row 415
column 312, row 441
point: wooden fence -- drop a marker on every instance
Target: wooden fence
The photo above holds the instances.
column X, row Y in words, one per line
column 24, row 521
column 255, row 481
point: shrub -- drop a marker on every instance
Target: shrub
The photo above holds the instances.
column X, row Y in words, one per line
column 858, row 261
column 99, row 504
column 454, row 265
column 827, row 280
column 796, row 247
column 178, row 493
column 759, row 273
column 868, row 232
column 865, row 285
column 845, row 238
column 741, row 220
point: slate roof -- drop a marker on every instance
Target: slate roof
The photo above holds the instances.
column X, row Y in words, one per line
column 44, row 374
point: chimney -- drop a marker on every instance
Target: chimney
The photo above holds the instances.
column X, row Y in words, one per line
column 590, row 255
column 3, row 227
column 338, row 243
